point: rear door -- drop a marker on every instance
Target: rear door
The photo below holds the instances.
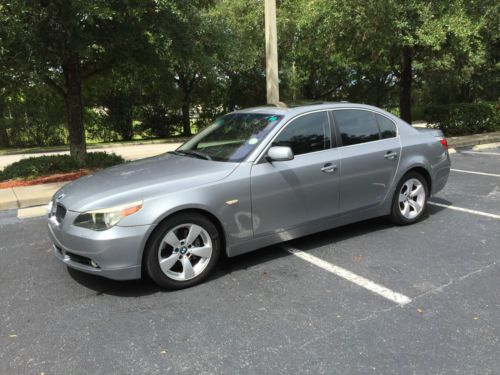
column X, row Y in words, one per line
column 286, row 194
column 370, row 150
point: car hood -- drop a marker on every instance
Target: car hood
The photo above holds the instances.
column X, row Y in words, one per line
column 139, row 180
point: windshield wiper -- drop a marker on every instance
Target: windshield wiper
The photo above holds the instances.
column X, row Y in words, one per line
column 192, row 153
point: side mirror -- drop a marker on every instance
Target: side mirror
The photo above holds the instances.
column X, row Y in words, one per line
column 279, row 153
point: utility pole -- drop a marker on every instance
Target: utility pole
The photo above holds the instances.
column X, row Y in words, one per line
column 272, row 86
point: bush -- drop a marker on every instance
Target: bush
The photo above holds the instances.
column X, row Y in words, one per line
column 45, row 165
column 465, row 118
column 95, row 160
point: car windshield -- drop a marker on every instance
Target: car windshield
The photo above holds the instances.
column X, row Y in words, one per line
column 231, row 137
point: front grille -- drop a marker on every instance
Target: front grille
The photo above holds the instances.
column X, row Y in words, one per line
column 60, row 213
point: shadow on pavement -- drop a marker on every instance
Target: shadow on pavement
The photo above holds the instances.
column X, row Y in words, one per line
column 102, row 285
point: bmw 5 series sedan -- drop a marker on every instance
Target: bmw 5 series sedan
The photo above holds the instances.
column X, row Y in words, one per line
column 253, row 178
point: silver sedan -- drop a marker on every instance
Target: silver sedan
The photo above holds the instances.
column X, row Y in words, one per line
column 253, row 178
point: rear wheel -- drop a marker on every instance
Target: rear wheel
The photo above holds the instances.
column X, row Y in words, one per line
column 410, row 199
column 183, row 251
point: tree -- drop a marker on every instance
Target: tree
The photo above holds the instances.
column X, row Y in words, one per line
column 345, row 47
column 65, row 42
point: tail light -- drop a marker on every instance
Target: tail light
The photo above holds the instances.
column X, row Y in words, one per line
column 444, row 143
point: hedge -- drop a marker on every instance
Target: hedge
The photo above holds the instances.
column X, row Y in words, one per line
column 464, row 118
column 33, row 167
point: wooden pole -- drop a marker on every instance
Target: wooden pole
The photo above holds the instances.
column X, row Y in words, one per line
column 272, row 85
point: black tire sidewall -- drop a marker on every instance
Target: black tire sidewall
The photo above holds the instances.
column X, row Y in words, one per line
column 151, row 263
column 396, row 215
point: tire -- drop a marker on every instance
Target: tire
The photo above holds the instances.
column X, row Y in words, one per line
column 408, row 203
column 183, row 251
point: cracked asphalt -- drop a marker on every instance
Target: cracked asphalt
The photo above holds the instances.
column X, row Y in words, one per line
column 270, row 312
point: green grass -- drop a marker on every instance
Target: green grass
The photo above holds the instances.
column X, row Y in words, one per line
column 30, row 168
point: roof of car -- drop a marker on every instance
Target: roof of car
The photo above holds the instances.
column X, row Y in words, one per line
column 300, row 107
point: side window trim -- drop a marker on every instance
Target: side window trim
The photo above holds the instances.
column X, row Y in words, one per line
column 261, row 158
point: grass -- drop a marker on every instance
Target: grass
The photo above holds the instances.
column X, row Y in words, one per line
column 34, row 167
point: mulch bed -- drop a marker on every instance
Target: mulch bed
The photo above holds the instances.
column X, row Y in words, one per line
column 57, row 177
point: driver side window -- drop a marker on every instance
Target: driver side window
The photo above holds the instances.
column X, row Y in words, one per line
column 308, row 133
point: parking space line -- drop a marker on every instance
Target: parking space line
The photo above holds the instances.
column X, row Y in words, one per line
column 474, row 172
column 480, row 153
column 487, row 214
column 398, row 298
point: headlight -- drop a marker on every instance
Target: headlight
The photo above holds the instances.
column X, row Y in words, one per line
column 105, row 218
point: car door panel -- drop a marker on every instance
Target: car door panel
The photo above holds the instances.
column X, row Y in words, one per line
column 368, row 163
column 291, row 193
column 366, row 173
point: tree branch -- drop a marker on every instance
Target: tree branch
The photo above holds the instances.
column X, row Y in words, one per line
column 95, row 70
column 50, row 82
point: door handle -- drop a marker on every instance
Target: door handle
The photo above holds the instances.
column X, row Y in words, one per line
column 390, row 155
column 329, row 168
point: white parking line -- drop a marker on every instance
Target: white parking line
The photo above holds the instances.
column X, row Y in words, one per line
column 398, row 298
column 474, row 172
column 480, row 153
column 480, row 213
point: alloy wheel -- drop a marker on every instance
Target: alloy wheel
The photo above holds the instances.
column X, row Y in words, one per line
column 412, row 198
column 185, row 252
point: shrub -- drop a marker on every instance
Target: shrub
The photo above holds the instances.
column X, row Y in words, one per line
column 45, row 165
column 465, row 118
column 95, row 160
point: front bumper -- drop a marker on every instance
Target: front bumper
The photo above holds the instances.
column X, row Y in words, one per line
column 115, row 253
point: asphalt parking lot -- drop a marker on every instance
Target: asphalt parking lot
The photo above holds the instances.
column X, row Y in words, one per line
column 314, row 306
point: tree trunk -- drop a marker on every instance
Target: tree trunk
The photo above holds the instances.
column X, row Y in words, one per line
column 186, row 120
column 74, row 109
column 405, row 85
column 4, row 137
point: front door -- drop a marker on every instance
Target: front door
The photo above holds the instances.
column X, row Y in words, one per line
column 286, row 194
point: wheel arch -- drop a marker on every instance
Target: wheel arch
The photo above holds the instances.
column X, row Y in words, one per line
column 214, row 219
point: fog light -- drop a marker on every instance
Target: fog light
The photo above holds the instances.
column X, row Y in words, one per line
column 94, row 264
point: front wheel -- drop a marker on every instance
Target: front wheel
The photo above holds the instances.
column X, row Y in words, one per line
column 410, row 199
column 183, row 251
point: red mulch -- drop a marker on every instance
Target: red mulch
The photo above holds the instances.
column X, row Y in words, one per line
column 58, row 177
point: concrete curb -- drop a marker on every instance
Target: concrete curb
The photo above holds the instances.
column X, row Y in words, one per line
column 28, row 196
column 474, row 140
column 486, row 146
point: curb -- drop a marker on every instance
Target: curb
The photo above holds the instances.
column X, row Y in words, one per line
column 28, row 196
column 484, row 140
column 485, row 146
